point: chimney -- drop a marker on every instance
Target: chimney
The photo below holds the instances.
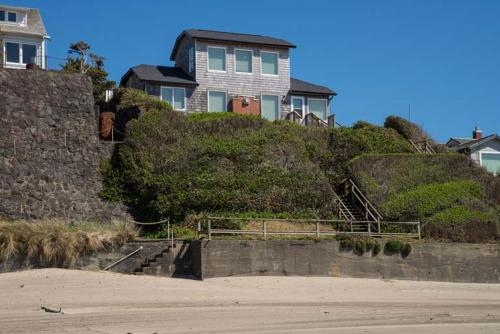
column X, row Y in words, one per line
column 477, row 133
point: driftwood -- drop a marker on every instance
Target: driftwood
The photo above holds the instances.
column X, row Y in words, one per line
column 50, row 310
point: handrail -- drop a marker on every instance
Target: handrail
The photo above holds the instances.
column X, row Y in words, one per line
column 123, row 258
column 372, row 207
column 341, row 210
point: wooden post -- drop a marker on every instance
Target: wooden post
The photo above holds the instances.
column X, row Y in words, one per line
column 351, row 226
column 369, row 228
column 112, row 133
column 199, row 229
column 168, row 229
column 209, row 230
column 418, row 229
column 264, row 229
column 378, row 225
column 317, row 230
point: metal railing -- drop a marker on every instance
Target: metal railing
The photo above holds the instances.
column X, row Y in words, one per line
column 319, row 227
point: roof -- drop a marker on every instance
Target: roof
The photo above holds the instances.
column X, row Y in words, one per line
column 229, row 37
column 302, row 87
column 472, row 143
column 163, row 74
column 457, row 141
column 34, row 24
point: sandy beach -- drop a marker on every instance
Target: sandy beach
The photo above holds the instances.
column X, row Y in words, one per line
column 98, row 302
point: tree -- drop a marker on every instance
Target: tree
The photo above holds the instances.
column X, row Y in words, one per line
column 80, row 60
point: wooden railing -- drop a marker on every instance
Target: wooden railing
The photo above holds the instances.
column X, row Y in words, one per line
column 319, row 227
column 342, row 210
column 422, row 146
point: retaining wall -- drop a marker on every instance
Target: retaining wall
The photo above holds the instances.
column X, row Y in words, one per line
column 49, row 147
column 428, row 261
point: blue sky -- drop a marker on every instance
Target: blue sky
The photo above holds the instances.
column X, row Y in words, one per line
column 441, row 58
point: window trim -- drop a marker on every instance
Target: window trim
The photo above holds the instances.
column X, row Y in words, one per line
column 225, row 58
column 173, row 97
column 251, row 61
column 481, row 159
column 15, row 16
column 279, row 104
column 303, row 98
column 21, row 41
column 318, row 99
column 277, row 63
column 216, row 91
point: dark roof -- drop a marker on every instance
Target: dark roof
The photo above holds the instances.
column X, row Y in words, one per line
column 229, row 37
column 302, row 87
column 163, row 74
column 474, row 142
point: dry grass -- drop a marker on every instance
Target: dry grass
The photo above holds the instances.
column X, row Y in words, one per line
column 55, row 243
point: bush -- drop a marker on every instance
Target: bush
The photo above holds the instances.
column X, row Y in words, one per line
column 393, row 246
column 406, row 250
column 426, row 200
column 376, row 249
column 360, row 247
column 405, row 128
column 463, row 224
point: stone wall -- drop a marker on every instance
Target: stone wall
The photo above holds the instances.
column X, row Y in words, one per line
column 49, row 147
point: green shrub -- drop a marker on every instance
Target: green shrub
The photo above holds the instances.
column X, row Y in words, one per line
column 393, row 246
column 426, row 200
column 135, row 98
column 405, row 128
column 463, row 224
column 376, row 249
column 360, row 247
column 406, row 250
column 183, row 232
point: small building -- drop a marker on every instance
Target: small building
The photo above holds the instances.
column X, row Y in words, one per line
column 222, row 71
column 23, row 38
column 485, row 151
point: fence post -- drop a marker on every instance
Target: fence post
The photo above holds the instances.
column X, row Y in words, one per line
column 199, row 229
column 378, row 225
column 419, row 232
column 112, row 133
column 369, row 228
column 317, row 230
column 168, row 229
column 209, row 229
column 350, row 221
column 264, row 229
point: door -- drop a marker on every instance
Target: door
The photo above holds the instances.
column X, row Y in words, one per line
column 298, row 105
column 270, row 107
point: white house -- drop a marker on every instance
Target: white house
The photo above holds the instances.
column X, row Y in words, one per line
column 23, row 38
column 485, row 151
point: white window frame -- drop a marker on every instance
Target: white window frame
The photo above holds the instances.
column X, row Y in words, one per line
column 319, row 99
column 21, row 42
column 277, row 63
column 481, row 158
column 173, row 98
column 225, row 58
column 279, row 104
column 303, row 98
column 21, row 18
column 251, row 61
column 216, row 91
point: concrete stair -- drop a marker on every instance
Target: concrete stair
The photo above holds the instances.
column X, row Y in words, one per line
column 172, row 261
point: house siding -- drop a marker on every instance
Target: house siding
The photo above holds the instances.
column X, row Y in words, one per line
column 182, row 56
column 490, row 147
column 240, row 84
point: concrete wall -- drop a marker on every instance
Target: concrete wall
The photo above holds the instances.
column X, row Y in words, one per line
column 49, row 147
column 429, row 261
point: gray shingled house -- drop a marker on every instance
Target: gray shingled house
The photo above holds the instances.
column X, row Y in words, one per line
column 242, row 73
column 23, row 38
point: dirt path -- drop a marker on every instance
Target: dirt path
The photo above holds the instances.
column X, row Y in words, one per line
column 95, row 302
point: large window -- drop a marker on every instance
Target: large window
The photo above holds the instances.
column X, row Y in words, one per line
column 298, row 105
column 175, row 96
column 318, row 107
column 217, row 101
column 2, row 15
column 216, row 59
column 270, row 107
column 269, row 63
column 243, row 60
column 19, row 53
column 491, row 161
column 12, row 17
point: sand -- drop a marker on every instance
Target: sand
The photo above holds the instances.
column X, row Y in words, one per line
column 98, row 302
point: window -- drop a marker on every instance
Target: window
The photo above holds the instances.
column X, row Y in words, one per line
column 269, row 63
column 270, row 107
column 13, row 52
column 298, row 105
column 243, row 61
column 216, row 59
column 29, row 54
column 175, row 96
column 217, row 101
column 12, row 17
column 2, row 15
column 191, row 59
column 318, row 107
column 491, row 161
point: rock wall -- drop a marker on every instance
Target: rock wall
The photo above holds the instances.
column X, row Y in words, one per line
column 49, row 147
